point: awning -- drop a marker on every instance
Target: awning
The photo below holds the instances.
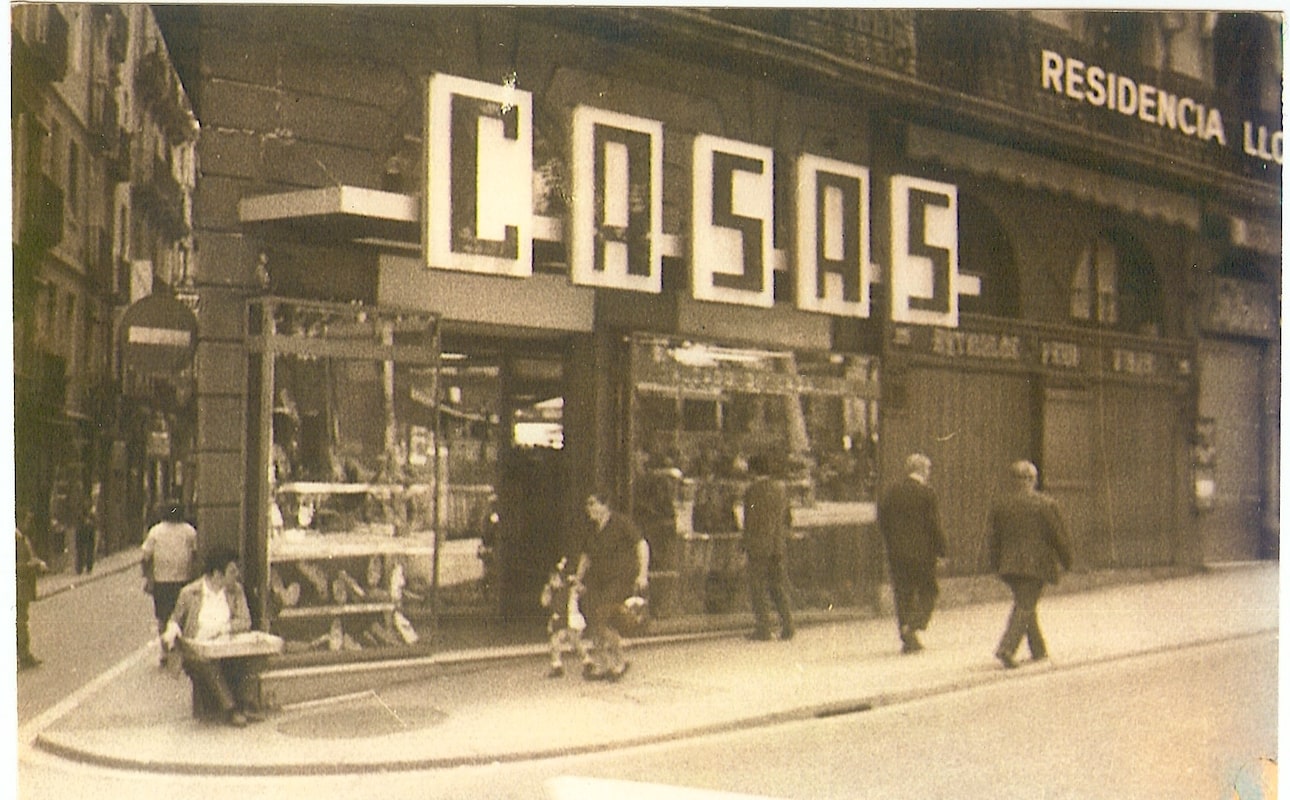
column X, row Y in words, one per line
column 338, row 213
column 1036, row 172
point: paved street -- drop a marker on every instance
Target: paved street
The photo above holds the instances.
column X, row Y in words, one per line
column 1192, row 659
column 81, row 630
column 1185, row 723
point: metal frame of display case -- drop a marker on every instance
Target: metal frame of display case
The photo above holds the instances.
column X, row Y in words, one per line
column 346, row 332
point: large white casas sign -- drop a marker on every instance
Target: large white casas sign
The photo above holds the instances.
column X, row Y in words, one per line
column 479, row 212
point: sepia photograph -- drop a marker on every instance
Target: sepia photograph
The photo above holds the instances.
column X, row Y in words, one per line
column 627, row 402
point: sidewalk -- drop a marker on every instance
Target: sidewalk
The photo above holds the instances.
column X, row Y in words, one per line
column 67, row 579
column 508, row 710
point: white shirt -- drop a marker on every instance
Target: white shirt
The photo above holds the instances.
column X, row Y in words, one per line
column 214, row 618
column 171, row 546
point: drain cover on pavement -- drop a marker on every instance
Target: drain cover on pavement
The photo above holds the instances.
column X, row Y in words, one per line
column 356, row 719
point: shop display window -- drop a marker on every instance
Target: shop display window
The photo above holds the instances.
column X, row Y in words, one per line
column 699, row 412
column 351, row 507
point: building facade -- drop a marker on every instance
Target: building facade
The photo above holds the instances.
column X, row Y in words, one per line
column 459, row 266
column 103, row 173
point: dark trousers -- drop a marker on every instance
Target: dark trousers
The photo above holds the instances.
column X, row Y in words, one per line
column 1024, row 619
column 915, row 590
column 602, row 627
column 227, row 680
column 85, row 551
column 768, row 577
column 24, row 630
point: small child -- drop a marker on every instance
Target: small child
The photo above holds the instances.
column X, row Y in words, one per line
column 565, row 625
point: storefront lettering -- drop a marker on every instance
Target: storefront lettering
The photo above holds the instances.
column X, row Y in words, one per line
column 732, row 219
column 476, row 221
column 1060, row 354
column 953, row 344
column 1092, row 84
column 479, row 149
column 617, row 202
column 1131, row 362
column 833, row 257
column 1263, row 144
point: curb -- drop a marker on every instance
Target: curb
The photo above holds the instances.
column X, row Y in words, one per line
column 825, row 710
column 68, row 582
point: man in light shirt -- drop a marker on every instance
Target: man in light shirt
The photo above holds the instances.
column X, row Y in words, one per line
column 169, row 553
column 215, row 605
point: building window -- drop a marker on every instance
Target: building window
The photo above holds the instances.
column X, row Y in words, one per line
column 50, row 318
column 73, row 176
column 54, row 151
column 1124, row 33
column 1247, row 62
column 1114, row 285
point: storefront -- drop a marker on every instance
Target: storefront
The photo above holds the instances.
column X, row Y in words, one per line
column 621, row 268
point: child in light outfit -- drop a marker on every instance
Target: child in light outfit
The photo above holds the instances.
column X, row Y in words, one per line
column 565, row 625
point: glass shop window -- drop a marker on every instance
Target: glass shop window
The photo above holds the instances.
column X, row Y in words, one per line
column 700, row 411
column 350, row 503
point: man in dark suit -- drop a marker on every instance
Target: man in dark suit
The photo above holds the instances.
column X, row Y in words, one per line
column 910, row 523
column 1027, row 543
column 767, row 525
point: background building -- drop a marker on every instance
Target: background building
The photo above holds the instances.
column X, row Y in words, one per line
column 103, row 174
column 496, row 257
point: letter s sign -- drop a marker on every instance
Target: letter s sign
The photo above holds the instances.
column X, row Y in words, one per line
column 925, row 283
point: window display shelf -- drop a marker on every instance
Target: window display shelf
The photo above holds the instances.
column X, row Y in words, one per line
column 375, row 489
column 289, row 546
column 336, row 610
column 825, row 514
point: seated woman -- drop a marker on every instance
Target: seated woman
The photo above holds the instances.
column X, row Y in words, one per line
column 215, row 605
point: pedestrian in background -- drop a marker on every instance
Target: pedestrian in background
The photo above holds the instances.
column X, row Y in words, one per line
column 29, row 568
column 87, row 541
column 768, row 522
column 169, row 551
column 910, row 523
column 613, row 565
column 1028, row 542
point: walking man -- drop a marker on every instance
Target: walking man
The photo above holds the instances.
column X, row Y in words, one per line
column 767, row 525
column 1028, row 542
column 910, row 523
column 168, row 557
column 614, row 563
